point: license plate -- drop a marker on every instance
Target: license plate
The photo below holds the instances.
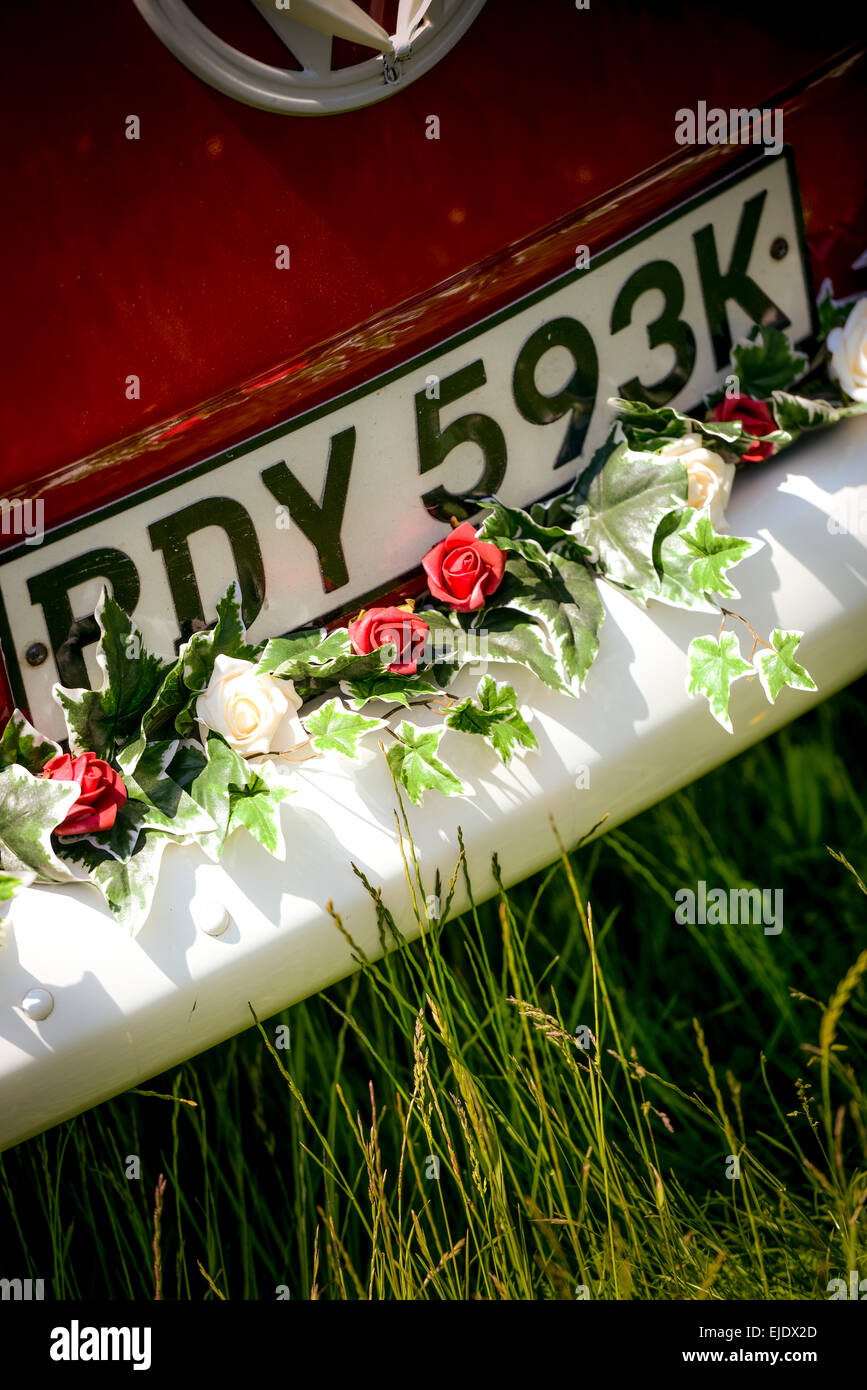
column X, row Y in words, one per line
column 323, row 511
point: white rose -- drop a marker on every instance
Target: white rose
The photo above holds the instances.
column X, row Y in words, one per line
column 848, row 348
column 254, row 713
column 709, row 477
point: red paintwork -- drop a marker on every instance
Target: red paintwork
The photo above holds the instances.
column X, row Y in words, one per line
column 156, row 257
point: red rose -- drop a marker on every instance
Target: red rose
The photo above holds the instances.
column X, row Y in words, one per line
column 463, row 570
column 101, row 792
column 381, row 627
column 756, row 418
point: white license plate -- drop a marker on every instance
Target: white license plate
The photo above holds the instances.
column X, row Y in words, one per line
column 324, row 510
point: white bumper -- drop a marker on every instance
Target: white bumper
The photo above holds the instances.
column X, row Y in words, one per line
column 126, row 1009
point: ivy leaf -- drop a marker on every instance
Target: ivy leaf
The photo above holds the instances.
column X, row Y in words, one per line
column 315, row 661
column 162, row 772
column 496, row 634
column 764, row 362
column 415, row 764
column 796, row 413
column 210, row 790
column 650, row 428
column 170, row 700
column 508, row 636
column 714, row 664
column 713, row 555
column 831, row 315
column 299, row 650
column 565, row 600
column 226, row 638
column 778, row 666
column 518, row 533
column 255, row 806
column 335, row 728
column 388, row 686
column 494, row 716
column 647, row 427
column 120, row 840
column 224, row 786
column 30, row 809
column 127, row 885
column 23, row 744
column 101, row 720
column 622, row 508
column 673, row 560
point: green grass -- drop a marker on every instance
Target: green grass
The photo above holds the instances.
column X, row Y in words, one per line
column 312, row 1167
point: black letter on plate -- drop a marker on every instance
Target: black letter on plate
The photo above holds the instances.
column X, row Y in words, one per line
column 436, row 443
column 736, row 284
column 576, row 399
column 668, row 328
column 171, row 536
column 66, row 634
column 320, row 522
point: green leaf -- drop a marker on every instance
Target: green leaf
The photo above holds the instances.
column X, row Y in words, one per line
column 255, row 806
column 335, row 728
column 796, row 413
column 831, row 315
column 495, row 717
column 210, row 789
column 30, row 809
column 120, row 840
column 518, row 533
column 101, row 720
column 674, row 559
column 566, row 602
column 651, row 428
column 414, row 763
column 315, row 661
column 714, row 664
column 509, row 637
column 170, row 700
column 713, row 555
column 226, row 638
column 161, row 773
column 764, row 362
column 778, row 666
column 496, row 634
column 622, row 509
column 388, row 687
column 225, row 785
column 306, row 652
column 22, row 744
column 127, row 885
column 648, row 427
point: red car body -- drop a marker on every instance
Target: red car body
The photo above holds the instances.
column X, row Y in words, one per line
column 155, row 257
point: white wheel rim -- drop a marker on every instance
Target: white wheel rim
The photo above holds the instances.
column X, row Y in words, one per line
column 425, row 34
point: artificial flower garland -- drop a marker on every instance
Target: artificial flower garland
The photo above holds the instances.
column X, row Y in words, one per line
column 185, row 752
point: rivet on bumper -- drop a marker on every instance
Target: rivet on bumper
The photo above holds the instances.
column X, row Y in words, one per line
column 37, row 1003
